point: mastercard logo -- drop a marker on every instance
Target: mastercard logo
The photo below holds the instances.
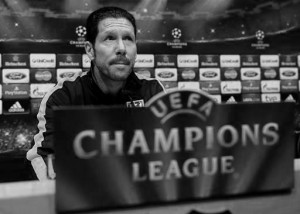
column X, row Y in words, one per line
column 188, row 74
column 270, row 73
column 230, row 74
column 15, row 76
column 166, row 75
column 43, row 75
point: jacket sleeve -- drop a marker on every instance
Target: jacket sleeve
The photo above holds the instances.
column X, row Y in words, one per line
column 43, row 140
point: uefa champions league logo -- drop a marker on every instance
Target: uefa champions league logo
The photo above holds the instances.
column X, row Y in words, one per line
column 260, row 44
column 80, row 31
column 176, row 33
column 176, row 43
column 260, row 35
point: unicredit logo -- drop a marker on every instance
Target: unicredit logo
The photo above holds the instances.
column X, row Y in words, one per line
column 43, row 60
column 15, row 76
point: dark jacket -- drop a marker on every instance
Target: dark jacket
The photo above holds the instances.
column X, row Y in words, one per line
column 84, row 91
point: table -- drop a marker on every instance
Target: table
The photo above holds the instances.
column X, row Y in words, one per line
column 34, row 197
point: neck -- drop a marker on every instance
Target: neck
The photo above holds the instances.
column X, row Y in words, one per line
column 107, row 85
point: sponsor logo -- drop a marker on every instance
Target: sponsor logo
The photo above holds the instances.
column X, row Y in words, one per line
column 212, row 87
column 143, row 72
column 16, row 108
column 270, row 73
column 188, row 74
column 230, row 60
column 250, row 60
column 165, row 60
column 250, row 86
column 166, row 74
column 209, row 73
column 270, row 86
column 68, row 74
column 251, row 98
column 43, row 75
column 289, row 85
column 42, row 60
column 40, row 90
column 288, row 60
column 209, row 60
column 290, row 98
column 16, row 91
column 271, row 97
column 15, row 75
column 231, row 87
column 188, row 60
column 231, row 99
column 80, row 31
column 144, row 60
column 15, row 60
column 288, row 73
column 250, row 73
column 269, row 61
column 0, row 91
column 230, row 74
column 189, row 85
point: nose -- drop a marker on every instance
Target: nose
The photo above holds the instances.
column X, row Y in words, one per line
column 121, row 48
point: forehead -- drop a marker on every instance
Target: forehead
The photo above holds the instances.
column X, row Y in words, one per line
column 110, row 24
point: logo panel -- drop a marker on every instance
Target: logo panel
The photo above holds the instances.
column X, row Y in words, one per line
column 209, row 74
column 187, row 61
column 42, row 60
column 166, row 74
column 11, row 75
column 15, row 60
column 144, row 61
column 69, row 60
column 230, row 61
column 68, row 74
column 15, row 91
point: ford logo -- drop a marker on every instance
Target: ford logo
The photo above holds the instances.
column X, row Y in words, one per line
column 209, row 74
column 15, row 76
column 250, row 74
column 166, row 74
column 288, row 73
column 67, row 75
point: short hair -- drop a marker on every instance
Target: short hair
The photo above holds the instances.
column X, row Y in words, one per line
column 102, row 13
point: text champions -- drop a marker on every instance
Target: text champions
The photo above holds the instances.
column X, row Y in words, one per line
column 89, row 144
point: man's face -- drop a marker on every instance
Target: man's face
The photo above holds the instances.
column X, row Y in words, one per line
column 115, row 48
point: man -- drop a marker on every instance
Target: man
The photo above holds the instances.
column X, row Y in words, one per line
column 111, row 47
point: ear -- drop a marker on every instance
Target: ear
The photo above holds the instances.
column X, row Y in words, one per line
column 89, row 49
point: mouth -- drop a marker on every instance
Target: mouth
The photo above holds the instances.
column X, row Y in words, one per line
column 122, row 61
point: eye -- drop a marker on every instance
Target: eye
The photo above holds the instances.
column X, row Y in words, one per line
column 129, row 38
column 109, row 38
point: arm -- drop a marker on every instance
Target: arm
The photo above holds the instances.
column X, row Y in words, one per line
column 43, row 140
